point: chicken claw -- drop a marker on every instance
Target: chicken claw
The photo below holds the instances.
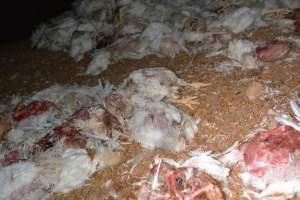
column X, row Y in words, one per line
column 197, row 85
column 188, row 101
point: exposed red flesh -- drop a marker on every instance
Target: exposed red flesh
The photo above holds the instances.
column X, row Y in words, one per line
column 116, row 104
column 82, row 114
column 272, row 52
column 297, row 25
column 75, row 142
column 34, row 108
column 270, row 149
column 101, row 115
column 113, row 99
column 66, row 131
column 11, row 157
column 296, row 15
column 176, row 182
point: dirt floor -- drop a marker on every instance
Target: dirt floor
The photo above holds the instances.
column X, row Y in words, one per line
column 226, row 114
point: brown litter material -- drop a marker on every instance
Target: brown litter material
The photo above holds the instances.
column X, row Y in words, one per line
column 5, row 125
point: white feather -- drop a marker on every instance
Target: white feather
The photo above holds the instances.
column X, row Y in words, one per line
column 239, row 20
column 164, row 83
column 155, row 183
column 81, row 43
column 70, row 98
column 287, row 122
column 101, row 60
column 242, row 53
column 72, row 170
column 232, row 155
column 158, row 125
column 15, row 177
column 295, row 108
column 204, row 161
column 289, row 188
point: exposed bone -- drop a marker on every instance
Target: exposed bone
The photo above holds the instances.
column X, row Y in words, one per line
column 155, row 183
column 295, row 108
column 287, row 122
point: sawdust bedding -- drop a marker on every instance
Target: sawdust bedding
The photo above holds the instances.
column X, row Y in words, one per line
column 229, row 103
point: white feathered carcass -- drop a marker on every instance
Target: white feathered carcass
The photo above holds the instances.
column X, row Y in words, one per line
column 164, row 84
column 152, row 122
column 58, row 169
column 242, row 54
column 47, row 109
column 163, row 126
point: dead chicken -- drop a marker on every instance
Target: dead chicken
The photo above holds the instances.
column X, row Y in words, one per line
column 58, row 169
column 159, row 125
column 70, row 98
column 246, row 54
column 32, row 121
column 49, row 108
column 150, row 121
column 164, row 85
column 152, row 83
column 187, row 180
column 272, row 52
column 98, row 122
column 94, row 122
column 79, row 142
column 242, row 54
column 153, row 124
column 271, row 159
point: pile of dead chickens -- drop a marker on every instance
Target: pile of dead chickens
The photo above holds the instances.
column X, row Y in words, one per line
column 112, row 30
column 63, row 134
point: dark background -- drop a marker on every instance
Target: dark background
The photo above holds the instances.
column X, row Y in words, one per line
column 19, row 18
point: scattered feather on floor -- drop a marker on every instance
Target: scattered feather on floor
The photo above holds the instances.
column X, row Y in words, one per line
column 100, row 62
